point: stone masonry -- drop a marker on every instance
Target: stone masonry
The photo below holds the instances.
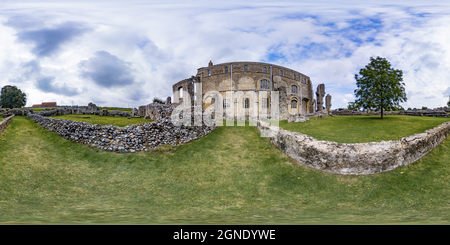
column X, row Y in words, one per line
column 4, row 123
column 355, row 159
column 320, row 93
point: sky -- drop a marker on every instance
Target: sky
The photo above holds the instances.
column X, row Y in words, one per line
column 125, row 53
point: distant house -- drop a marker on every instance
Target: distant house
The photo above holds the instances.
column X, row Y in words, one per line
column 45, row 104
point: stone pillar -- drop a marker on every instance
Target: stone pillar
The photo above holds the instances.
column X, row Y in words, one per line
column 320, row 93
column 328, row 103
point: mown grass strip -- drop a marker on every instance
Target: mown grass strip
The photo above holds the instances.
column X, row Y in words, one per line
column 362, row 129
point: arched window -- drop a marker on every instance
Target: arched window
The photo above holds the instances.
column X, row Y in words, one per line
column 265, row 70
column 209, row 73
column 246, row 103
column 226, row 69
column 294, row 76
column 293, row 89
column 180, row 91
column 245, row 68
column 226, row 103
column 281, row 73
column 265, row 84
column 293, row 104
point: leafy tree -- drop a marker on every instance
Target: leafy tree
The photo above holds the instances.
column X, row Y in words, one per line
column 351, row 106
column 448, row 103
column 12, row 97
column 380, row 87
column 158, row 100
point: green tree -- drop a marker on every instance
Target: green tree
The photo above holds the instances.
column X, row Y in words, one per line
column 158, row 100
column 448, row 103
column 380, row 87
column 351, row 106
column 12, row 97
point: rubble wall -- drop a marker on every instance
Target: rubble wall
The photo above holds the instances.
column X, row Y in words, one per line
column 355, row 159
column 132, row 138
column 4, row 123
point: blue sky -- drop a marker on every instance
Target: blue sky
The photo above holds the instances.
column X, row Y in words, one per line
column 124, row 53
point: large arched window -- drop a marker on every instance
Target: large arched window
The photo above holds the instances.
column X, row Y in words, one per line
column 265, row 84
column 226, row 69
column 293, row 89
column 293, row 104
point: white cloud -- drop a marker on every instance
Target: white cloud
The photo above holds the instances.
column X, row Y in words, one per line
column 164, row 42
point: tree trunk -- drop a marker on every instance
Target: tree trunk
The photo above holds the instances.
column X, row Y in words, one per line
column 381, row 112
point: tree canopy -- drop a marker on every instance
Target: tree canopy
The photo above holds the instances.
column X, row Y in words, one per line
column 12, row 97
column 448, row 103
column 380, row 87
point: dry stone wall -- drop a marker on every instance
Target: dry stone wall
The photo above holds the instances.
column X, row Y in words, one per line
column 355, row 159
column 5, row 122
column 132, row 138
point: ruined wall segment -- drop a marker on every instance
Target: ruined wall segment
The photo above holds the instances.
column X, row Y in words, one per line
column 5, row 122
column 134, row 138
column 355, row 159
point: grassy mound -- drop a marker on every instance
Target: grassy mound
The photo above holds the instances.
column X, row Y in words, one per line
column 104, row 120
column 230, row 176
column 362, row 129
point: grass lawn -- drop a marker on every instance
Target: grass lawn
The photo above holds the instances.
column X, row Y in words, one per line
column 116, row 109
column 362, row 129
column 104, row 120
column 230, row 176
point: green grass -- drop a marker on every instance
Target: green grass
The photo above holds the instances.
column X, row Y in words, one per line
column 104, row 120
column 362, row 129
column 116, row 109
column 230, row 176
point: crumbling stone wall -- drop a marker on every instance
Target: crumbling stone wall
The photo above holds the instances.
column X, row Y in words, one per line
column 355, row 159
column 82, row 111
column 139, row 137
column 5, row 122
column 428, row 113
column 18, row 112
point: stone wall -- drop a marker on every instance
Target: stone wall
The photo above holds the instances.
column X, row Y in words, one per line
column 428, row 113
column 132, row 138
column 5, row 122
column 82, row 110
column 154, row 111
column 355, row 159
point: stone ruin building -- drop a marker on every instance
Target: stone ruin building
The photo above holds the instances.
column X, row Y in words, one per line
column 251, row 84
